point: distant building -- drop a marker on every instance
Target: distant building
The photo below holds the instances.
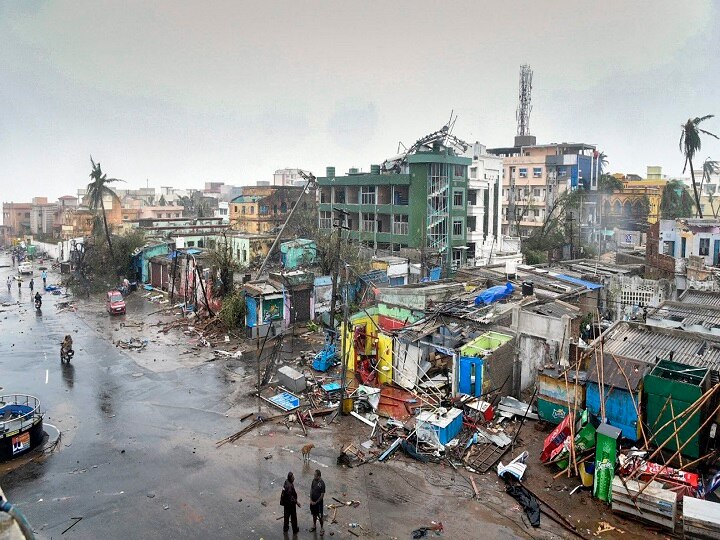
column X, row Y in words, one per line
column 263, row 209
column 637, row 204
column 536, row 175
column 17, row 217
column 417, row 201
column 287, row 177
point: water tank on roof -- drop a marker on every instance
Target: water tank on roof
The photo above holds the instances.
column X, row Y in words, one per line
column 330, row 172
column 528, row 289
column 353, row 170
column 375, row 169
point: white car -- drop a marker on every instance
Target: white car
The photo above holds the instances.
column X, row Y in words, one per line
column 25, row 268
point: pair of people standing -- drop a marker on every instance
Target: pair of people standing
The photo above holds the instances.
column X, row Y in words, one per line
column 291, row 504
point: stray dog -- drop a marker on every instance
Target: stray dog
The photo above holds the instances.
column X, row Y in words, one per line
column 306, row 452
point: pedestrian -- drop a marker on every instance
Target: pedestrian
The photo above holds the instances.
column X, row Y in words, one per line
column 317, row 493
column 9, row 282
column 13, row 259
column 290, row 503
column 19, row 286
column 32, row 285
column 44, row 278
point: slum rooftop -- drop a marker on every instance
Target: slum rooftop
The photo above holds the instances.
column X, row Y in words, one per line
column 637, row 341
column 587, row 267
column 685, row 316
column 703, row 298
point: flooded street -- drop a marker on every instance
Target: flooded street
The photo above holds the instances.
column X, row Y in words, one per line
column 138, row 459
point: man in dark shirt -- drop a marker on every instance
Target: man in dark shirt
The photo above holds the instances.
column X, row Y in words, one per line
column 290, row 504
column 317, row 492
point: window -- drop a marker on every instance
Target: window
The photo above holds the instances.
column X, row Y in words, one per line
column 459, row 171
column 368, row 223
column 243, row 209
column 458, row 198
column 537, row 172
column 326, row 219
column 264, row 210
column 252, row 209
column 523, row 172
column 274, row 208
column 472, row 197
column 367, row 195
column 177, row 214
column 400, row 224
column 473, row 172
column 471, row 223
column 283, row 207
column 457, row 227
column 536, row 192
column 704, row 247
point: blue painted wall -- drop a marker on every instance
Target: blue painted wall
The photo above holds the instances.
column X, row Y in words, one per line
column 619, row 409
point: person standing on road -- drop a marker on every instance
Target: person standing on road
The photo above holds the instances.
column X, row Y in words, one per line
column 19, row 285
column 9, row 282
column 290, row 504
column 44, row 278
column 31, row 285
column 317, row 493
column 13, row 259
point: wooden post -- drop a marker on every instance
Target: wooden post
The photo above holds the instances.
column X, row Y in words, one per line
column 677, row 439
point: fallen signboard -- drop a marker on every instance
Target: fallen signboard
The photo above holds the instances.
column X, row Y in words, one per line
column 285, row 401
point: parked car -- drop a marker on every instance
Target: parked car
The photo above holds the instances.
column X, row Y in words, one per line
column 25, row 268
column 115, row 304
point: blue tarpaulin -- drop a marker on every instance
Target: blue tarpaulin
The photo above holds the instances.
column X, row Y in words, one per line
column 589, row 284
column 493, row 294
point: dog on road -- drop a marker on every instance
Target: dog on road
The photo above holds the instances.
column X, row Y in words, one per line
column 306, row 452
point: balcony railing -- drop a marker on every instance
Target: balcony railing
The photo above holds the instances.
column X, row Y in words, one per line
column 368, row 226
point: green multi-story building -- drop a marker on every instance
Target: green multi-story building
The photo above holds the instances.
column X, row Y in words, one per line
column 415, row 203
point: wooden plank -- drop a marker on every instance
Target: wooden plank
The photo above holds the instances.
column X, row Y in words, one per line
column 654, row 504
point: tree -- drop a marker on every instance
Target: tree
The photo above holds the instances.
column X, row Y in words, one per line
column 602, row 162
column 97, row 190
column 676, row 202
column 690, row 143
column 609, row 184
column 162, row 201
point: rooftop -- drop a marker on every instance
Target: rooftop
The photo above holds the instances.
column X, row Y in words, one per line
column 685, row 315
column 636, row 341
column 702, row 298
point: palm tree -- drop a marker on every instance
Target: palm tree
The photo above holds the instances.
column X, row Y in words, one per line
column 676, row 202
column 97, row 190
column 690, row 143
column 602, row 162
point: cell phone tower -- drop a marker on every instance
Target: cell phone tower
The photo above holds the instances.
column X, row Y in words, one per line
column 524, row 107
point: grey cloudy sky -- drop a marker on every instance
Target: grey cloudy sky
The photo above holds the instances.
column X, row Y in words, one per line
column 182, row 92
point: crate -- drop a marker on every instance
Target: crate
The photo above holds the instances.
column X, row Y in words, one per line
column 655, row 504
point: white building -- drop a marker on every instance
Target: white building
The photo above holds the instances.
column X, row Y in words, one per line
column 484, row 210
column 223, row 211
column 287, row 177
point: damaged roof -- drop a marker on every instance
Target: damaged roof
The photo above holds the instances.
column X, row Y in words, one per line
column 681, row 315
column 704, row 298
column 647, row 343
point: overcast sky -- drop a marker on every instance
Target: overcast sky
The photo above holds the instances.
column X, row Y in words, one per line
column 180, row 92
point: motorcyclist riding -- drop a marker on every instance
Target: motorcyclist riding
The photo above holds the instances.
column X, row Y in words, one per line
column 66, row 350
column 38, row 300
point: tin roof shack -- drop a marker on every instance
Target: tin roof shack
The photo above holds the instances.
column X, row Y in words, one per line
column 410, row 302
column 544, row 335
column 193, row 279
column 298, row 287
column 621, row 398
column 558, row 393
column 142, row 256
column 453, row 357
column 265, row 309
column 396, row 268
column 700, row 319
column 298, row 252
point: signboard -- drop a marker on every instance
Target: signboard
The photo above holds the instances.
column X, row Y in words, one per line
column 285, row 401
column 21, row 442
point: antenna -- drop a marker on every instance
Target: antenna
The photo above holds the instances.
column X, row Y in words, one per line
column 524, row 107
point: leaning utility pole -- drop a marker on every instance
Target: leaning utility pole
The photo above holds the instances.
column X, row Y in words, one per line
column 336, row 267
column 344, row 346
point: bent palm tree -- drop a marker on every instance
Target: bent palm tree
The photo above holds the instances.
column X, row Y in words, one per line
column 710, row 168
column 676, row 201
column 97, row 190
column 690, row 143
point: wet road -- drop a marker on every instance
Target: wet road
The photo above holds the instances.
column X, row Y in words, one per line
column 137, row 458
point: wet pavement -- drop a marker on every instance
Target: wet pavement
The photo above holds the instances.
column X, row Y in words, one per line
column 137, row 457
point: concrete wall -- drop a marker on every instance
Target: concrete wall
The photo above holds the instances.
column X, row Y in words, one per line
column 53, row 250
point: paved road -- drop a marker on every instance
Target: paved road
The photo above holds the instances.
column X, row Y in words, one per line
column 138, row 459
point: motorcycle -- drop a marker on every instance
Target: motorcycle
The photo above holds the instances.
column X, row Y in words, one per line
column 66, row 353
column 38, row 303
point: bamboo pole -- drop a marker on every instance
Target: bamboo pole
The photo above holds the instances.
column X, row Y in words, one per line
column 572, row 429
column 632, row 397
column 690, row 410
column 677, row 439
column 702, row 426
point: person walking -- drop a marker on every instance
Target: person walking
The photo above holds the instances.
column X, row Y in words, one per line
column 317, row 493
column 19, row 285
column 31, row 285
column 44, row 278
column 13, row 259
column 290, row 504
column 9, row 282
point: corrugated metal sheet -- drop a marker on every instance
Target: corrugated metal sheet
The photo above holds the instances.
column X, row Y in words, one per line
column 705, row 314
column 704, row 298
column 646, row 343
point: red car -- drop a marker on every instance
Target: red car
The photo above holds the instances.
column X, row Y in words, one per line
column 115, row 304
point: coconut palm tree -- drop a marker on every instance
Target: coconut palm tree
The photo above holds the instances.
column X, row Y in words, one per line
column 690, row 143
column 710, row 167
column 97, row 190
column 676, row 202
column 602, row 162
